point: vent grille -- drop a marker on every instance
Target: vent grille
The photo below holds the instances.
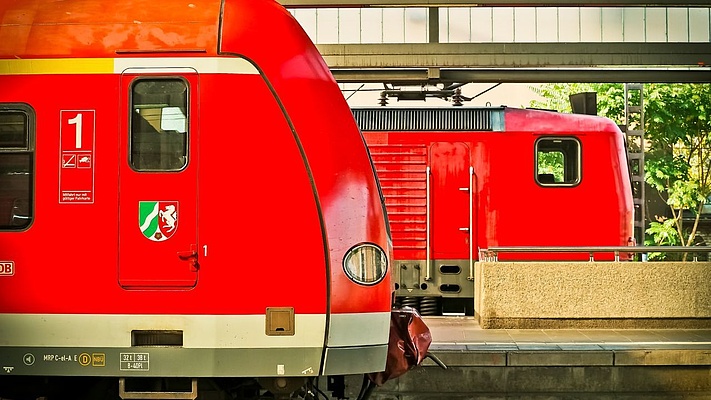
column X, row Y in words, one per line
column 402, row 171
column 429, row 119
column 156, row 338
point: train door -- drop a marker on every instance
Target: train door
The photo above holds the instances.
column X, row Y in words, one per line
column 451, row 201
column 158, row 170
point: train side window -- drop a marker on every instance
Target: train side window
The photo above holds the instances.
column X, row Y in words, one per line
column 16, row 166
column 558, row 161
column 159, row 124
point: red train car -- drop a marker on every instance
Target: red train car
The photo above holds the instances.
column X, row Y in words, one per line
column 459, row 180
column 174, row 205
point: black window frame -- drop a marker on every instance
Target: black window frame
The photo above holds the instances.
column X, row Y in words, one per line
column 132, row 122
column 26, row 211
column 572, row 166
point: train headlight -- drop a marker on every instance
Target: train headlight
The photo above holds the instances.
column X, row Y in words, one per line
column 365, row 264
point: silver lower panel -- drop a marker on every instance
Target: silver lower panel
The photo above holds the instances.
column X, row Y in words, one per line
column 188, row 362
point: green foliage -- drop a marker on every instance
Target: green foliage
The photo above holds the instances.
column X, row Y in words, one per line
column 661, row 233
column 610, row 98
column 679, row 156
column 551, row 163
column 678, row 115
column 663, row 168
column 684, row 195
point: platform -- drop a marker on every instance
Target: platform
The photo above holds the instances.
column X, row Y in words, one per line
column 557, row 364
column 465, row 334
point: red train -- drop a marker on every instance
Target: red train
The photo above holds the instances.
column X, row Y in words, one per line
column 174, row 209
column 459, row 180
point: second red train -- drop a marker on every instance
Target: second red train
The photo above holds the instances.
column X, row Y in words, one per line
column 461, row 180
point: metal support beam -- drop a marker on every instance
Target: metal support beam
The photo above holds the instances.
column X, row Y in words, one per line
column 433, row 28
column 515, row 55
column 421, row 76
column 491, row 3
column 520, row 62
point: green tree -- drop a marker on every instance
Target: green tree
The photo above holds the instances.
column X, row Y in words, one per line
column 678, row 146
column 679, row 156
column 610, row 98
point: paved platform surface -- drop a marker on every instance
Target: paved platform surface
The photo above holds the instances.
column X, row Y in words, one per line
column 457, row 335
column 552, row 364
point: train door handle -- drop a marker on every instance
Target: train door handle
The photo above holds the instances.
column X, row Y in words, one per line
column 190, row 256
column 464, row 229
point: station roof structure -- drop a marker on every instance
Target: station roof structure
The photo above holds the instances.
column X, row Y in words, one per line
column 531, row 41
column 482, row 3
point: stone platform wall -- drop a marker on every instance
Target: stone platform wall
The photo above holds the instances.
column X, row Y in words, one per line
column 549, row 295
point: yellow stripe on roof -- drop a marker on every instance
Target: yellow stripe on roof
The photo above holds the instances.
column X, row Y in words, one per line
column 57, row 66
column 214, row 65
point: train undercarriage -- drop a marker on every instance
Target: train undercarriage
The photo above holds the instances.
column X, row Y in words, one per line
column 112, row 388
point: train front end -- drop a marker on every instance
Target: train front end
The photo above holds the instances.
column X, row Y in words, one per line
column 193, row 201
column 358, row 290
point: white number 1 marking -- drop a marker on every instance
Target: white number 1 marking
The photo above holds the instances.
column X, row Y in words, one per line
column 77, row 121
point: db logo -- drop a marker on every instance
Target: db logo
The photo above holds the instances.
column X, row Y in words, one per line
column 7, row 268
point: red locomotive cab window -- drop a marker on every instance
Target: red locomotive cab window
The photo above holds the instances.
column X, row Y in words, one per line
column 558, row 161
column 16, row 166
column 159, row 125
